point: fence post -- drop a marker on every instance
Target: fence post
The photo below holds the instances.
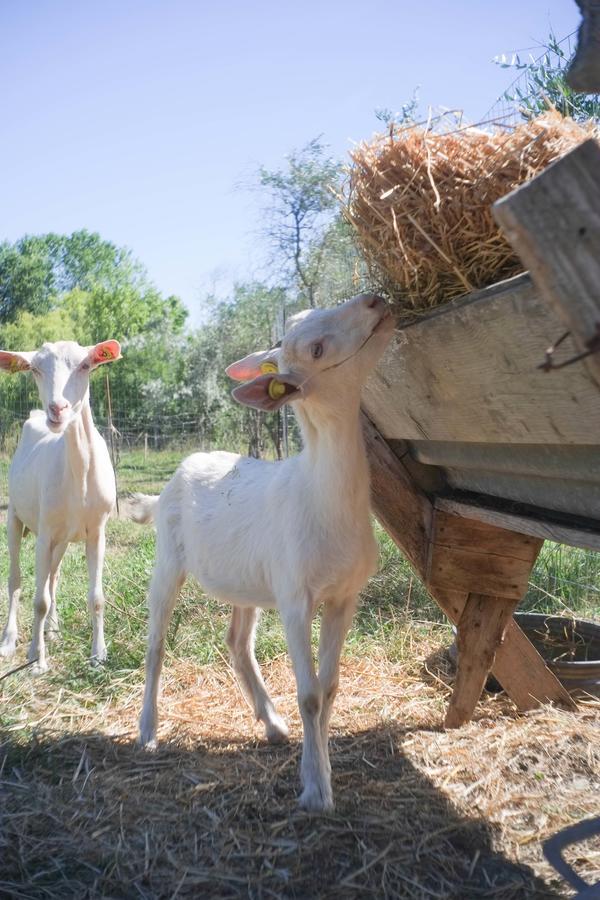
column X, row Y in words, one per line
column 111, row 436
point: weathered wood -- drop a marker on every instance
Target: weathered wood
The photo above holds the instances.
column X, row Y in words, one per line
column 584, row 70
column 479, row 558
column 483, row 538
column 553, row 222
column 518, row 666
column 546, row 530
column 468, row 372
column 560, row 477
column 404, row 511
column 480, row 630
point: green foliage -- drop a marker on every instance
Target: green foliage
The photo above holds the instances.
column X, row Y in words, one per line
column 542, row 85
column 38, row 270
column 242, row 324
column 406, row 115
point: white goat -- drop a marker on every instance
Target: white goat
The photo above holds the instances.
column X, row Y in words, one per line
column 292, row 535
column 61, row 487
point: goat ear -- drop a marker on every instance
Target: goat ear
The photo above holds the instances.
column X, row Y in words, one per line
column 104, row 352
column 16, row 361
column 269, row 392
column 253, row 365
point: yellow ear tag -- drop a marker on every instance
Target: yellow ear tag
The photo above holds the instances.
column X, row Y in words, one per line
column 268, row 367
column 276, row 389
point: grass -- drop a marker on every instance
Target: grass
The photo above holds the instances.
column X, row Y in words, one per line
column 395, row 609
column 85, row 814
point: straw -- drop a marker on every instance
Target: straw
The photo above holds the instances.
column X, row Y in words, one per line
column 420, row 200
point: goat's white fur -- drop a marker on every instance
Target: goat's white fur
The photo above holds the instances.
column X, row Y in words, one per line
column 293, row 535
column 61, row 487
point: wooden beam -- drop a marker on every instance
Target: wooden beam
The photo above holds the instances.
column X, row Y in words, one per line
column 553, row 221
column 480, row 631
column 517, row 666
column 584, row 70
column 404, row 511
column 468, row 373
column 540, row 528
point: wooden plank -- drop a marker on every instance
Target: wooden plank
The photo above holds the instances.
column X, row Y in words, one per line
column 404, row 511
column 553, row 222
column 518, row 666
column 467, row 570
column 480, row 630
column 584, row 69
column 469, row 373
column 454, row 532
column 544, row 529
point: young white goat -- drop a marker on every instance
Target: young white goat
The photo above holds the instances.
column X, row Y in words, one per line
column 292, row 535
column 61, row 487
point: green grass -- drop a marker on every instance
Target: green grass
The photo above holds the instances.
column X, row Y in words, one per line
column 395, row 609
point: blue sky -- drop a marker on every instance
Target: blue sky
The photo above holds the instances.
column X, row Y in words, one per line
column 141, row 120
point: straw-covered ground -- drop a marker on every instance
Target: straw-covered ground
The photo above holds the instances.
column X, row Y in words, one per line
column 420, row 198
column 421, row 813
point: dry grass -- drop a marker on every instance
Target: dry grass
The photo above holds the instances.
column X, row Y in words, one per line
column 420, row 203
column 420, row 813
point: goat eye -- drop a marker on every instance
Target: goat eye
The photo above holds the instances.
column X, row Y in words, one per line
column 316, row 350
column 85, row 366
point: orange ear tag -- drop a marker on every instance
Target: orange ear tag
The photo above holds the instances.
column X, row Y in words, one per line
column 276, row 389
column 268, row 367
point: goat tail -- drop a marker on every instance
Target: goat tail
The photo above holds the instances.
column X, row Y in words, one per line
column 141, row 508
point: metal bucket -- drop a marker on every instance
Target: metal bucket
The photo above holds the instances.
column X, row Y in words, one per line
column 569, row 647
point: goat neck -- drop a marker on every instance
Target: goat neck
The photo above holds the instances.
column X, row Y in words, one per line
column 79, row 445
column 335, row 458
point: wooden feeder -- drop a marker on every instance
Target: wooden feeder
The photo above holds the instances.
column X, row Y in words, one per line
column 483, row 442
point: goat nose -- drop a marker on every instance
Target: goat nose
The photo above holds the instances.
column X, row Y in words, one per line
column 57, row 408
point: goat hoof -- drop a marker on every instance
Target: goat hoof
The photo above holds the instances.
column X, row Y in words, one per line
column 7, row 648
column 315, row 800
column 96, row 659
column 39, row 668
column 149, row 743
column 96, row 662
column 276, row 731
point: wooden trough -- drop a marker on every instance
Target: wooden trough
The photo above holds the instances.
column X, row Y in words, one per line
column 477, row 453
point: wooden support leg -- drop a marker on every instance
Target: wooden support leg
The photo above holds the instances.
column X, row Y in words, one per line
column 518, row 666
column 480, row 632
column 461, row 559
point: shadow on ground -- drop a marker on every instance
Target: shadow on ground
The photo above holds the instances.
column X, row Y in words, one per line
column 87, row 816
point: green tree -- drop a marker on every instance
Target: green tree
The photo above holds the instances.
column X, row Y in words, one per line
column 37, row 270
column 302, row 204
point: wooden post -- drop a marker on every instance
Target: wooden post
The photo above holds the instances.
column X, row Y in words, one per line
column 553, row 222
column 480, row 632
column 584, row 71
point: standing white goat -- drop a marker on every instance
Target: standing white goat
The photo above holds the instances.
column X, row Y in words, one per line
column 292, row 535
column 61, row 487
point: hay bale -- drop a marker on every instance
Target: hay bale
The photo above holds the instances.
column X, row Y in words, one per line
column 420, row 203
